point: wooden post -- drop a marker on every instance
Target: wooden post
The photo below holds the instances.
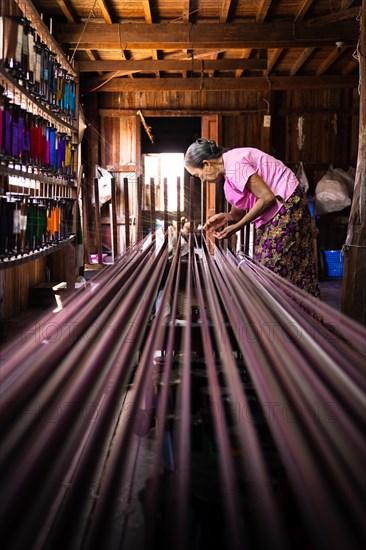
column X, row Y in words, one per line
column 139, row 209
column 98, row 227
column 114, row 219
column 211, row 128
column 70, row 267
column 191, row 203
column 127, row 212
column 165, row 196
column 152, row 208
column 91, row 158
column 354, row 277
column 178, row 206
column 203, row 201
column 85, row 218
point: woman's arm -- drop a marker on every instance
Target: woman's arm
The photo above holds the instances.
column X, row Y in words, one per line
column 235, row 214
column 265, row 199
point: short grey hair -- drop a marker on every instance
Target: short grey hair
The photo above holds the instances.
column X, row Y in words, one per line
column 202, row 149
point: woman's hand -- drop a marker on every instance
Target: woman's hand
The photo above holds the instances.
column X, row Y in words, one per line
column 216, row 221
column 227, row 232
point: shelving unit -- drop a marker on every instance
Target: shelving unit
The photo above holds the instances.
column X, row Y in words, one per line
column 42, row 171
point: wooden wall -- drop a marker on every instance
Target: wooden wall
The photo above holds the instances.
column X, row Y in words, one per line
column 16, row 283
column 121, row 155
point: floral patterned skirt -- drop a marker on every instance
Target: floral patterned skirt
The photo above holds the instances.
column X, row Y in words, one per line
column 284, row 244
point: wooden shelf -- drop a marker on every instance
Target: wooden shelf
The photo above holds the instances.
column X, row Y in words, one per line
column 53, row 180
column 49, row 115
column 31, row 256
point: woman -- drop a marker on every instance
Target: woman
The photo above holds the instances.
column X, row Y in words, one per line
column 262, row 190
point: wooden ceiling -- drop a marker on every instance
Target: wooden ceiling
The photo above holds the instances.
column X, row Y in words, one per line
column 191, row 44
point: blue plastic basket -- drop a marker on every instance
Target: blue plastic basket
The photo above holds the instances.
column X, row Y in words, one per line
column 333, row 261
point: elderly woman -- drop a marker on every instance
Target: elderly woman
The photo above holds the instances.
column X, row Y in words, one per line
column 262, row 190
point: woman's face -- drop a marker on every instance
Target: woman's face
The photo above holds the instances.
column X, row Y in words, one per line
column 211, row 171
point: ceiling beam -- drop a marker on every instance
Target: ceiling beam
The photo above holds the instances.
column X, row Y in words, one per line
column 336, row 16
column 91, row 55
column 224, row 12
column 245, row 55
column 304, row 8
column 350, row 67
column 148, row 65
column 272, row 60
column 117, row 113
column 220, row 84
column 147, row 11
column 301, row 60
column 186, row 11
column 172, row 65
column 68, row 11
column 284, row 34
column 330, row 59
column 71, row 16
column 105, row 12
column 263, row 8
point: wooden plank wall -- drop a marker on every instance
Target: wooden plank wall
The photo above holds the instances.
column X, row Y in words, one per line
column 120, row 148
column 330, row 130
column 193, row 101
column 16, row 284
column 17, row 281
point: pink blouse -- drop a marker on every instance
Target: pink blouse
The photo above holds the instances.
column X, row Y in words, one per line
column 242, row 163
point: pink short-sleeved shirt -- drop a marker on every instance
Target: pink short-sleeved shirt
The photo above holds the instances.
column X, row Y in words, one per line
column 242, row 163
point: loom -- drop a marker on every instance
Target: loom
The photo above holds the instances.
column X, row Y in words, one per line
column 195, row 401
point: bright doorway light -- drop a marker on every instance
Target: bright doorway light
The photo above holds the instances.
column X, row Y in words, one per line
column 170, row 166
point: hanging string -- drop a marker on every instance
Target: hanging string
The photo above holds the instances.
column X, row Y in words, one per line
column 82, row 32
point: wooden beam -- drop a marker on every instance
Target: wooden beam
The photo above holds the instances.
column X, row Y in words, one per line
column 91, row 55
column 273, row 60
column 224, row 12
column 105, row 12
column 160, row 36
column 198, row 112
column 245, row 54
column 168, row 57
column 185, row 55
column 336, row 17
column 220, row 84
column 330, row 59
column 147, row 11
column 186, row 11
column 172, row 112
column 68, row 11
column 304, row 8
column 154, row 55
column 172, row 65
column 351, row 66
column 263, row 8
column 301, row 60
